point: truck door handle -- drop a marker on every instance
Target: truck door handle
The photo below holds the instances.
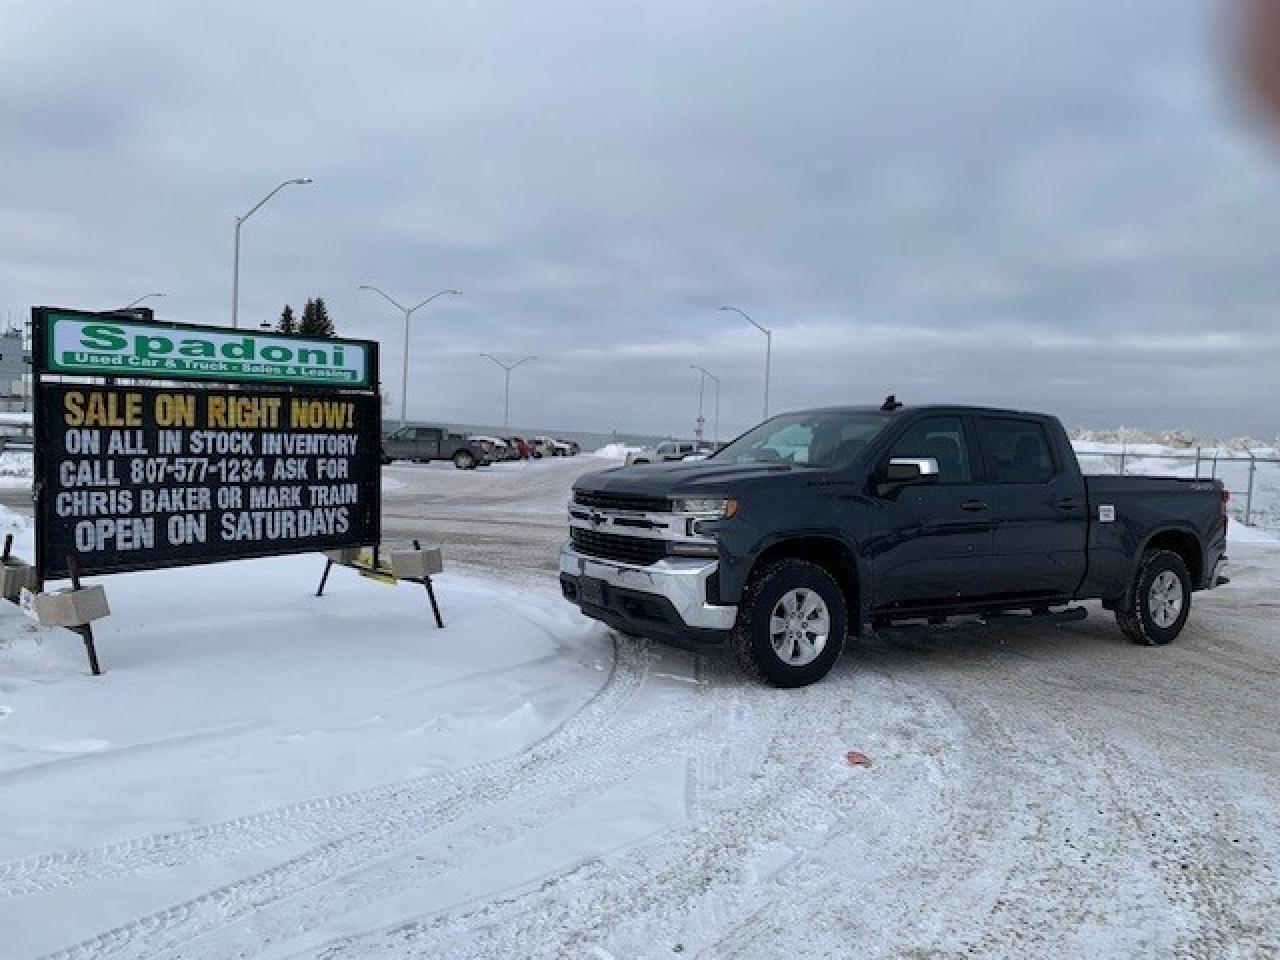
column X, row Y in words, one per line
column 973, row 505
column 1066, row 503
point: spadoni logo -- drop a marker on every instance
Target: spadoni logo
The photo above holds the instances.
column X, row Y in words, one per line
column 107, row 347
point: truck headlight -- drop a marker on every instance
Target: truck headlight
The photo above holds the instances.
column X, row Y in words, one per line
column 711, row 508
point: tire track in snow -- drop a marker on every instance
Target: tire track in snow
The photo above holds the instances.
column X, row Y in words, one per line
column 615, row 904
column 1051, row 840
column 355, row 857
column 263, row 920
column 324, row 817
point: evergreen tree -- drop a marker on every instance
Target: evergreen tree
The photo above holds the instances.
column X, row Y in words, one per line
column 315, row 319
column 308, row 322
column 288, row 323
column 323, row 323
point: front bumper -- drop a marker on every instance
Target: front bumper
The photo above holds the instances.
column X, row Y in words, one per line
column 666, row 600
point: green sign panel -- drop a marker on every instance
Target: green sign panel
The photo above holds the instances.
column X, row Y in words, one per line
column 115, row 347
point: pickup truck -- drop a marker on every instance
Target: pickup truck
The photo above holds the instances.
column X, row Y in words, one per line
column 665, row 452
column 426, row 443
column 822, row 524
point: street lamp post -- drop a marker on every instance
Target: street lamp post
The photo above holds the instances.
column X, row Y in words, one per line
column 768, row 352
column 708, row 375
column 408, row 312
column 235, row 269
column 506, row 389
column 134, row 303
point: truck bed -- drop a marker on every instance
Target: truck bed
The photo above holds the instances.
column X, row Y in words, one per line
column 1139, row 504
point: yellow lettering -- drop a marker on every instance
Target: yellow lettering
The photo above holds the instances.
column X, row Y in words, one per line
column 73, row 403
column 175, row 410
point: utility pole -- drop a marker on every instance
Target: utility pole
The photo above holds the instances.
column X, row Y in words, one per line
column 715, row 434
column 506, row 388
column 235, row 268
column 408, row 312
column 134, row 303
column 768, row 352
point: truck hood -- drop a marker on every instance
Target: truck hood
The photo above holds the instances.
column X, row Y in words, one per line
column 688, row 479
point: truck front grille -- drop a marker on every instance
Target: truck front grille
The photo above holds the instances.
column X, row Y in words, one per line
column 622, row 501
column 609, row 546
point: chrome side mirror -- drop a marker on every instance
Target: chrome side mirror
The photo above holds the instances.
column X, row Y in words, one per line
column 912, row 470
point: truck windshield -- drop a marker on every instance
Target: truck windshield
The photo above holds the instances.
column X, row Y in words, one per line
column 826, row 439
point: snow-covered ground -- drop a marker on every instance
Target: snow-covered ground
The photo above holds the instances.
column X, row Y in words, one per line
column 243, row 722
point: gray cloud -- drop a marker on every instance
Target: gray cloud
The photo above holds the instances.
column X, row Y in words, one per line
column 1050, row 205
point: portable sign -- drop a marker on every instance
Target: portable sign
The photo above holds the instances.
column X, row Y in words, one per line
column 139, row 477
column 143, row 477
column 121, row 346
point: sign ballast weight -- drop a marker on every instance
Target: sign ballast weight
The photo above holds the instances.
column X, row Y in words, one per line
column 277, row 451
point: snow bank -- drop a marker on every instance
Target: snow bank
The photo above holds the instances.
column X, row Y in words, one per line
column 1239, row 533
column 615, row 451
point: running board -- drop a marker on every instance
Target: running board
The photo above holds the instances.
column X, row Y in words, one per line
column 988, row 620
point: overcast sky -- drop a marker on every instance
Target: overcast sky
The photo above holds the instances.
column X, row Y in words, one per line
column 1063, row 206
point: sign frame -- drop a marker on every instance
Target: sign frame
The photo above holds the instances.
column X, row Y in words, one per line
column 371, row 493
column 43, row 360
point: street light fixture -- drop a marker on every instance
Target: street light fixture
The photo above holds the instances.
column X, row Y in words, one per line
column 235, row 269
column 408, row 312
column 506, row 390
column 768, row 352
column 708, row 375
column 134, row 303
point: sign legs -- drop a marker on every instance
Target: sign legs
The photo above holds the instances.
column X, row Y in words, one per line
column 85, row 630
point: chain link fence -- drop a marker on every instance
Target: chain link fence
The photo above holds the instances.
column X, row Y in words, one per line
column 1252, row 479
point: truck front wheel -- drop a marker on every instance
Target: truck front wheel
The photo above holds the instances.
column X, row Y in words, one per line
column 791, row 624
column 1159, row 600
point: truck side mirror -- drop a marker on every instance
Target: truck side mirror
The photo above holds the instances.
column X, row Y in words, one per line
column 912, row 470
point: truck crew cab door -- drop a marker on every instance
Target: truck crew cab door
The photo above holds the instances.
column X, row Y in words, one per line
column 932, row 540
column 1040, row 511
column 426, row 443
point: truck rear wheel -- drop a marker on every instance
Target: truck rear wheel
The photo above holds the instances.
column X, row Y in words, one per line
column 464, row 460
column 1159, row 600
column 791, row 624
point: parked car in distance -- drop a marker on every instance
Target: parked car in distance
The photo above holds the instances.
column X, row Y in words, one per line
column 667, row 451
column 575, row 448
column 519, row 447
column 423, row 443
column 704, row 450
column 499, row 446
column 822, row 524
column 550, row 447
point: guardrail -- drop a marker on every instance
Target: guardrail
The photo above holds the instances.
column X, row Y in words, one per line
column 1239, row 471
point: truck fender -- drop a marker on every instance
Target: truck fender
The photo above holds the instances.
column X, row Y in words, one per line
column 821, row 546
column 1173, row 530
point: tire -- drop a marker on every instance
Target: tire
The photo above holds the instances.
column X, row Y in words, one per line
column 1159, row 600
column 464, row 460
column 789, row 586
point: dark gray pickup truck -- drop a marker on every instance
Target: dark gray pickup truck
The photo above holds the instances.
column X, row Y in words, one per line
column 826, row 523
column 423, row 444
